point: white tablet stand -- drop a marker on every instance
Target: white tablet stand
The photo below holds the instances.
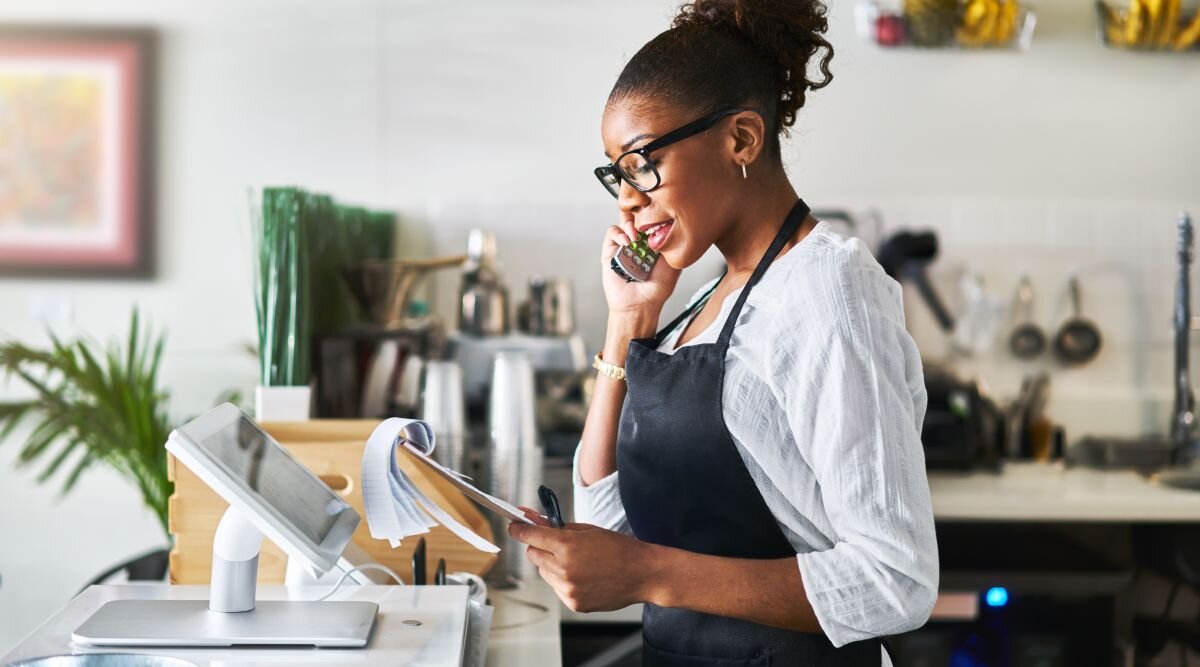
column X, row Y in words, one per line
column 234, row 580
column 231, row 616
column 236, row 546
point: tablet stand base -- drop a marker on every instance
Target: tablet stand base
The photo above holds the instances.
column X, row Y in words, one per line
column 345, row 624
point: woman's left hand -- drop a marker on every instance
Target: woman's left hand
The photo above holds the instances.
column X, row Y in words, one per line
column 589, row 568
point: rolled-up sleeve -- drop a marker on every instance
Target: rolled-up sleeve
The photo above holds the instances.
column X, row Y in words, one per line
column 856, row 417
column 599, row 503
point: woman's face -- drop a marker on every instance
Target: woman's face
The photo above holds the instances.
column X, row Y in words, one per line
column 686, row 213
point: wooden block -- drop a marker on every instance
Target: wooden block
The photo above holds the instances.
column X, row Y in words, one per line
column 333, row 450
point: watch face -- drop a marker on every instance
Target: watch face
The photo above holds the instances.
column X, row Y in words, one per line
column 634, row 261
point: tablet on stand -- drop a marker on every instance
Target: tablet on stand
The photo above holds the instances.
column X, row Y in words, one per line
column 270, row 494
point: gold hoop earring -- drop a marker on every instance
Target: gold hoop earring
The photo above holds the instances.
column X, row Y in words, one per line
column 744, row 176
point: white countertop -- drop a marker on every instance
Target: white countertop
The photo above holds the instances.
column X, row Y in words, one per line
column 1039, row 492
column 525, row 628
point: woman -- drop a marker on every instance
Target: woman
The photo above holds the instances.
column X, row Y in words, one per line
column 756, row 478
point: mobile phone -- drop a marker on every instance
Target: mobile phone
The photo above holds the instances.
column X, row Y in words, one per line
column 634, row 261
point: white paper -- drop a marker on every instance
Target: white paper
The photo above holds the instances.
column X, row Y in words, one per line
column 395, row 507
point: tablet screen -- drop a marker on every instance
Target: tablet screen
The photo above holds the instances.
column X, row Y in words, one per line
column 268, row 471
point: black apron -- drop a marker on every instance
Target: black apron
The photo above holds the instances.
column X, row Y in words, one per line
column 684, row 485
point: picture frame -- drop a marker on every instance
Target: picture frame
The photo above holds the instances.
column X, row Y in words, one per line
column 77, row 138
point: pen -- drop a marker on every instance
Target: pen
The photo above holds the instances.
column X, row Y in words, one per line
column 418, row 563
column 550, row 505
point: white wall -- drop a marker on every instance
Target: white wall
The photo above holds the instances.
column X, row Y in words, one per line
column 1069, row 157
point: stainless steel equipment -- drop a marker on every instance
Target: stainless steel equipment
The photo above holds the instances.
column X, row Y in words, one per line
column 477, row 356
column 550, row 310
column 1027, row 340
column 483, row 298
column 1183, row 416
column 1185, row 450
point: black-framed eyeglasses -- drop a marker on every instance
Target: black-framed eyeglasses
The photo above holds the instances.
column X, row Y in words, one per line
column 635, row 166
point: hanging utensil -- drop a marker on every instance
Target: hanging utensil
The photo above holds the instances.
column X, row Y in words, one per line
column 905, row 256
column 1078, row 340
column 1027, row 340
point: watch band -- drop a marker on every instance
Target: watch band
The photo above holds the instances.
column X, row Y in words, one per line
column 611, row 370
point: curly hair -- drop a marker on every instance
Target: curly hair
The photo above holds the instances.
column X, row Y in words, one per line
column 725, row 53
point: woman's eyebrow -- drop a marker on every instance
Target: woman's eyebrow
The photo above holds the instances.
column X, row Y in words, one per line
column 625, row 146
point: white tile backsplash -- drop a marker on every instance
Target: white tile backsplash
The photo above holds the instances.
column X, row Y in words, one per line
column 1124, row 255
column 1122, row 251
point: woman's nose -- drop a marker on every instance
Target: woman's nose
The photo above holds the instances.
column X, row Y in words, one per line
column 630, row 199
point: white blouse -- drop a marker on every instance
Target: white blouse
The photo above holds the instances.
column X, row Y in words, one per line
column 824, row 397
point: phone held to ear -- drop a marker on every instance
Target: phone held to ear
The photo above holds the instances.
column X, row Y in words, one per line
column 634, row 261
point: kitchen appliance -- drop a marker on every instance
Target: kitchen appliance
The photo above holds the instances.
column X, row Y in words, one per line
column 383, row 288
column 905, row 256
column 963, row 429
column 483, row 298
column 546, row 353
column 372, row 370
column 550, row 309
column 374, row 374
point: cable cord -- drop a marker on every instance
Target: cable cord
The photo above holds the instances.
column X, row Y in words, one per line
column 359, row 568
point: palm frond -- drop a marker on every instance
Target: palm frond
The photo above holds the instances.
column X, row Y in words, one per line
column 93, row 404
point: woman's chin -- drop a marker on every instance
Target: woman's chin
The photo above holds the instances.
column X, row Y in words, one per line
column 677, row 258
column 671, row 258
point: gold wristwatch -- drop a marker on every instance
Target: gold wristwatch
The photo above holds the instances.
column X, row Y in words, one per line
column 611, row 370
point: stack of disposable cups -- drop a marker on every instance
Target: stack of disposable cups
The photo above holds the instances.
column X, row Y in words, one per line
column 442, row 408
column 516, row 456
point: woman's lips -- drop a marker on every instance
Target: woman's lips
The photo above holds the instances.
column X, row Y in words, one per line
column 657, row 235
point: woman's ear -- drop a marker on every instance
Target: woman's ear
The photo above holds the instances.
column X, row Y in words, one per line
column 747, row 137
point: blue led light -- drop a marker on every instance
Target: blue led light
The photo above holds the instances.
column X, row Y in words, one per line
column 996, row 596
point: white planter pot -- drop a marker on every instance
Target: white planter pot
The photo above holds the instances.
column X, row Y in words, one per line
column 282, row 404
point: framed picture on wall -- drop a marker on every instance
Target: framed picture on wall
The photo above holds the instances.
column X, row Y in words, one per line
column 76, row 135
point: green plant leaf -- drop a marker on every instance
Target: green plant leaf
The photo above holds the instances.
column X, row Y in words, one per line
column 82, row 464
column 99, row 404
column 11, row 415
column 55, row 463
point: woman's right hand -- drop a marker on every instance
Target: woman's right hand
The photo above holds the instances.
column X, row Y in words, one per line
column 634, row 298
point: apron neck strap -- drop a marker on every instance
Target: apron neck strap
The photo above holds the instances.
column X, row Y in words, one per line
column 791, row 224
column 665, row 331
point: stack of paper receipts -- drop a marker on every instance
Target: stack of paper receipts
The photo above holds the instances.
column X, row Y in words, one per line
column 395, row 507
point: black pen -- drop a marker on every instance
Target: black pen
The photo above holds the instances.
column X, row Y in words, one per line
column 550, row 505
column 418, row 563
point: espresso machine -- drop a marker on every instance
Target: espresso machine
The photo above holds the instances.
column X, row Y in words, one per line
column 545, row 323
column 373, row 370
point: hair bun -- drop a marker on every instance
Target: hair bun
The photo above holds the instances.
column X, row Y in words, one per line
column 788, row 34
